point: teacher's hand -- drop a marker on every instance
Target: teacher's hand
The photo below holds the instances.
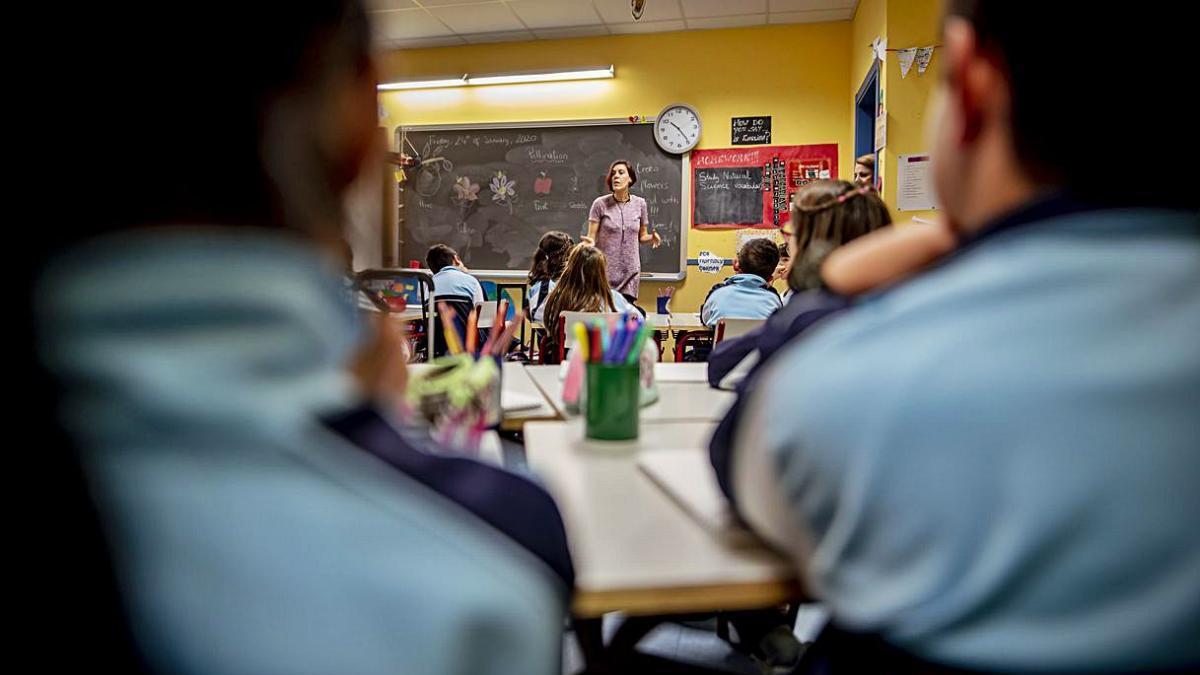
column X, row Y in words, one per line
column 655, row 241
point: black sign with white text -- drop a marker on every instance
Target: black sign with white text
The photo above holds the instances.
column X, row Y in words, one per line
column 751, row 130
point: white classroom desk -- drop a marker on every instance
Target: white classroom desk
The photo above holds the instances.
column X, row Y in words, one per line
column 655, row 321
column 683, row 393
column 515, row 385
column 687, row 321
column 409, row 314
column 634, row 548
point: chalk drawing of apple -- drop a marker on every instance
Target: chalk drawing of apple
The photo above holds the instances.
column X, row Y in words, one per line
column 541, row 184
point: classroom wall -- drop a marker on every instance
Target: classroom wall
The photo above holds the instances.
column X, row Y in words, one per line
column 798, row 74
column 910, row 23
column 903, row 23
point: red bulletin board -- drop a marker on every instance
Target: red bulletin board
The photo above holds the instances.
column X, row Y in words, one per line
column 785, row 168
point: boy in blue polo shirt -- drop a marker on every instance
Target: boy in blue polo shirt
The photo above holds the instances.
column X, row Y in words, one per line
column 748, row 293
column 450, row 276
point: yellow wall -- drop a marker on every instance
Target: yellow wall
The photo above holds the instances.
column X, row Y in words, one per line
column 903, row 23
column 910, row 23
column 797, row 74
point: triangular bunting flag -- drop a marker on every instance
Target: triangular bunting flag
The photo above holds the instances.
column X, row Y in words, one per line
column 906, row 57
column 924, row 56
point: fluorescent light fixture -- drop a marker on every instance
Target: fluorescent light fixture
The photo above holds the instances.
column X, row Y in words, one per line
column 469, row 80
column 425, row 84
column 545, row 76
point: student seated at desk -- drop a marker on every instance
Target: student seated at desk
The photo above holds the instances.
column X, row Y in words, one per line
column 747, row 294
column 548, row 262
column 825, row 215
column 450, row 276
column 262, row 514
column 992, row 465
column 583, row 287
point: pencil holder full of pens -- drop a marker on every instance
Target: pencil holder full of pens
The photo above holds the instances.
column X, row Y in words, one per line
column 612, row 401
column 459, row 398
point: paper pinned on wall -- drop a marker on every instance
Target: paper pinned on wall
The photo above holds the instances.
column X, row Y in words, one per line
column 906, row 57
column 744, row 236
column 709, row 263
column 914, row 185
column 924, row 56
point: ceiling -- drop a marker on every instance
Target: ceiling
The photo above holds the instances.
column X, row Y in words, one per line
column 409, row 24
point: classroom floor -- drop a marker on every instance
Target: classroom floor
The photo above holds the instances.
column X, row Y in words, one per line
column 697, row 646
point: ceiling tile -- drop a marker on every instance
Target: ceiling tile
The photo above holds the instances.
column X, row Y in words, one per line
column 421, row 43
column 728, row 21
column 707, row 8
column 403, row 24
column 808, row 5
column 555, row 13
column 810, row 17
column 486, row 18
column 507, row 36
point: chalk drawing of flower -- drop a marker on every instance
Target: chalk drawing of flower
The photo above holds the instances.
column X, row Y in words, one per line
column 465, row 190
column 503, row 189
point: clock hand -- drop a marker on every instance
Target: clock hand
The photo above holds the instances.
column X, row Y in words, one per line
column 677, row 127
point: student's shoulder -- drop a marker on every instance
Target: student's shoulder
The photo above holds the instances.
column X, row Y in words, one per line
column 718, row 287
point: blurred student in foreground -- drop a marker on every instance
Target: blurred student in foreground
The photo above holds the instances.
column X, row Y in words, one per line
column 261, row 515
column 990, row 463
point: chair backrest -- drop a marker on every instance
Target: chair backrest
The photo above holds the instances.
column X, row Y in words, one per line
column 566, row 326
column 415, row 285
column 460, row 307
column 487, row 314
column 727, row 329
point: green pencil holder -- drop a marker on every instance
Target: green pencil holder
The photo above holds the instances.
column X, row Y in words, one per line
column 612, row 401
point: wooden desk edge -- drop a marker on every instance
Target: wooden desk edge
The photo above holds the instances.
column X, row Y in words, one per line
column 682, row 600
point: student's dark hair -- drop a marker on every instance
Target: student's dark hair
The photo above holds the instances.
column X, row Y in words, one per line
column 758, row 256
column 175, row 114
column 825, row 215
column 550, row 256
column 203, row 141
column 612, row 167
column 439, row 256
column 784, row 251
column 1089, row 129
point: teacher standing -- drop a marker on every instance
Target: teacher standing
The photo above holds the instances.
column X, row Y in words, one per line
column 617, row 223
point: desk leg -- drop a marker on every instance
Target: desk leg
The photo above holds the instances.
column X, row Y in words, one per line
column 590, row 634
column 680, row 340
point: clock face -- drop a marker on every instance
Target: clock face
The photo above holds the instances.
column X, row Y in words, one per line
column 677, row 128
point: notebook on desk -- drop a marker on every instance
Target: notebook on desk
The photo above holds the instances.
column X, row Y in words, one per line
column 686, row 476
column 735, row 376
column 515, row 401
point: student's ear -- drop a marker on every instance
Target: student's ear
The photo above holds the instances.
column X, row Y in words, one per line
column 977, row 89
column 737, row 269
